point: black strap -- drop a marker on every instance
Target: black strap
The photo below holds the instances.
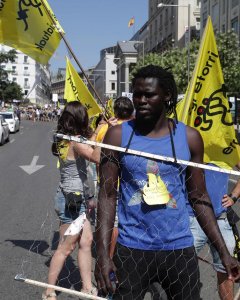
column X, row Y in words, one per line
column 130, row 139
column 171, row 138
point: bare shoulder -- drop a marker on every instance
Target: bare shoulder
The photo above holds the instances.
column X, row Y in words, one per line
column 113, row 135
column 193, row 136
column 195, row 143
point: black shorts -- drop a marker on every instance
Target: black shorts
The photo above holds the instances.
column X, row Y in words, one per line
column 177, row 271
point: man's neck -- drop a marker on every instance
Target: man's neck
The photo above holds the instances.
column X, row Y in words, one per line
column 152, row 128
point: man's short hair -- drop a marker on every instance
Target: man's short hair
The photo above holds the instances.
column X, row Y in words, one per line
column 123, row 108
column 166, row 82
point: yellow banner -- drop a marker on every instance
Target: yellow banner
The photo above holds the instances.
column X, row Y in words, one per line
column 205, row 106
column 75, row 89
column 109, row 108
column 27, row 26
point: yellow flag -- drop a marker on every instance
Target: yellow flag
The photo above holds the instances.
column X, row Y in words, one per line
column 205, row 106
column 109, row 108
column 27, row 26
column 75, row 89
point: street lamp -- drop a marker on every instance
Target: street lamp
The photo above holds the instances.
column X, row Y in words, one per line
column 189, row 31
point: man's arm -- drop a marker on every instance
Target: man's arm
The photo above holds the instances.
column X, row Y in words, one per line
column 109, row 171
column 199, row 199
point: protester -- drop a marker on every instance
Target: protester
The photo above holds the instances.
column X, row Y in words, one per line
column 75, row 196
column 155, row 242
column 217, row 187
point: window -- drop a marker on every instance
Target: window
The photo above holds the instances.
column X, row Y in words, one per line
column 223, row 28
column 166, row 16
column 161, row 22
column 223, row 7
column 198, row 24
column 25, row 92
column 234, row 3
column 215, row 13
column 113, row 86
column 26, row 83
column 14, row 69
column 25, row 58
column 205, row 15
column 26, row 71
column 113, row 72
column 234, row 24
column 14, row 79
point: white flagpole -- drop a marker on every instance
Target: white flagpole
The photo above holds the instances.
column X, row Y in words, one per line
column 20, row 277
column 144, row 154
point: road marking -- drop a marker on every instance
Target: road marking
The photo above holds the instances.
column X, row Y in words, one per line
column 33, row 167
column 12, row 140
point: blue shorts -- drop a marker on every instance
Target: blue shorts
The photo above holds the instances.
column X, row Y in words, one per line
column 200, row 240
column 67, row 213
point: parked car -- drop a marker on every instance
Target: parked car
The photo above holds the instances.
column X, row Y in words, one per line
column 12, row 120
column 4, row 131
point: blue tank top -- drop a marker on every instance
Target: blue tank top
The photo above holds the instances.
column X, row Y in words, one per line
column 217, row 186
column 157, row 227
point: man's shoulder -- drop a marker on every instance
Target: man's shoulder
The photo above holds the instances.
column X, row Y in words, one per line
column 192, row 133
column 113, row 135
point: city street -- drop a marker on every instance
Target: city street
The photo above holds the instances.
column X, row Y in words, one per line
column 28, row 181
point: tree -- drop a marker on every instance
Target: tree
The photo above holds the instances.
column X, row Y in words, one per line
column 176, row 60
column 229, row 53
column 12, row 91
column 8, row 90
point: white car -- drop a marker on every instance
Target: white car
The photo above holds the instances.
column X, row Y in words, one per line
column 4, row 131
column 12, row 120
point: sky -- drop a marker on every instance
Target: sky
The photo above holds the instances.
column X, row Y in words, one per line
column 92, row 25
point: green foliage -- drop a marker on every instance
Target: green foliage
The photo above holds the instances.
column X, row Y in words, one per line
column 176, row 60
column 229, row 53
column 12, row 91
column 8, row 90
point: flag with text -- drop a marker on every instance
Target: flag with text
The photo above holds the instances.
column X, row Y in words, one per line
column 31, row 27
column 75, row 89
column 205, row 106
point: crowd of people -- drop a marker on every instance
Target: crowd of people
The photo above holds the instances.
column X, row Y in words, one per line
column 163, row 212
column 41, row 114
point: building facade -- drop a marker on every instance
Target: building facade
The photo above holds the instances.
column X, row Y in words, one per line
column 33, row 78
column 168, row 24
column 225, row 15
column 104, row 75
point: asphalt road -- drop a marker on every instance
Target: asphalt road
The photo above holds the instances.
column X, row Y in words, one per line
column 28, row 222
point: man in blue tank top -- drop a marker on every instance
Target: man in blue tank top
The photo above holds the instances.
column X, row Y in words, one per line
column 155, row 242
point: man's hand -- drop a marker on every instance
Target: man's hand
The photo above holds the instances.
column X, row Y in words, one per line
column 232, row 267
column 112, row 121
column 91, row 204
column 227, row 201
column 104, row 266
